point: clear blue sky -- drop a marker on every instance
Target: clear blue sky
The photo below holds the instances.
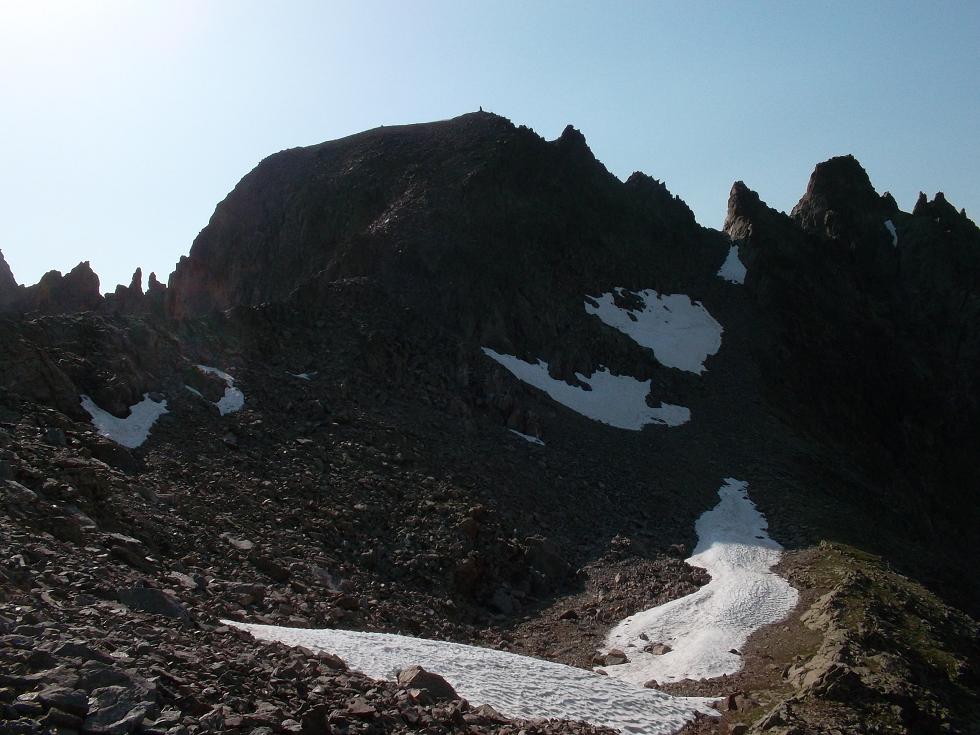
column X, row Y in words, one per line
column 122, row 124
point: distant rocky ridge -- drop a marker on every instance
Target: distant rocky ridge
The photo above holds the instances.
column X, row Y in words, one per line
column 879, row 320
column 78, row 291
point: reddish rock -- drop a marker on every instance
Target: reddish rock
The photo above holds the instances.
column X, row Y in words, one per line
column 415, row 677
column 78, row 290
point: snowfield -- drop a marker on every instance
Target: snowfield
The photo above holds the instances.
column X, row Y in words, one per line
column 702, row 628
column 890, row 226
column 680, row 332
column 617, row 400
column 527, row 437
column 233, row 400
column 131, row 431
column 733, row 269
column 517, row 686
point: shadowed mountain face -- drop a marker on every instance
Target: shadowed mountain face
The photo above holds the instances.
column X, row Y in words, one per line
column 349, row 290
column 879, row 334
column 483, row 225
column 866, row 319
column 9, row 290
column 858, row 325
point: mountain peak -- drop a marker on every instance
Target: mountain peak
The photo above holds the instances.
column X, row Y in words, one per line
column 840, row 186
column 942, row 210
column 398, row 204
column 572, row 136
column 742, row 201
column 136, row 284
column 840, row 203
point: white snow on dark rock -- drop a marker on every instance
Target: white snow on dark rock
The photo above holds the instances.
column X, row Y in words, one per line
column 617, row 400
column 733, row 269
column 680, row 332
column 131, row 431
column 890, row 226
column 514, row 685
column 704, row 627
column 527, row 437
column 233, row 400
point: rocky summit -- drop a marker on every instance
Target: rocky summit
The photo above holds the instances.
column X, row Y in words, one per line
column 452, row 383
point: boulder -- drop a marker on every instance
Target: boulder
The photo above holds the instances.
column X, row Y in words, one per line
column 153, row 601
column 415, row 677
column 73, row 701
column 116, row 710
column 612, row 658
column 269, row 566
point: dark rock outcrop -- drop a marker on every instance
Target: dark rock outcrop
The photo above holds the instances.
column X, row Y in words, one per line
column 878, row 341
column 133, row 300
column 154, row 300
column 483, row 226
column 115, row 360
column 127, row 299
column 840, row 202
column 9, row 290
column 78, row 290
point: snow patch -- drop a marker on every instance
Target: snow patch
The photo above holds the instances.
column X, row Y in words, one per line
column 890, row 226
column 303, row 376
column 733, row 269
column 702, row 628
column 617, row 400
column 514, row 685
column 527, row 437
column 131, row 431
column 233, row 400
column 680, row 332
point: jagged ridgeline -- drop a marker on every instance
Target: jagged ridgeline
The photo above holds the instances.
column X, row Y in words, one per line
column 479, row 224
column 456, row 381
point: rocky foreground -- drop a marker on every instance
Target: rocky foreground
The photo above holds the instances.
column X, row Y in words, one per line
column 106, row 632
column 116, row 575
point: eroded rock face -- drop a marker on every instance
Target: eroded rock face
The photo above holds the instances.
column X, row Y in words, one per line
column 878, row 313
column 78, row 291
column 9, row 290
column 483, row 226
column 841, row 201
column 54, row 359
column 127, row 299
